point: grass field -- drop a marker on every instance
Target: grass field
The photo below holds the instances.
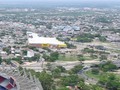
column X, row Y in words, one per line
column 68, row 58
column 89, row 74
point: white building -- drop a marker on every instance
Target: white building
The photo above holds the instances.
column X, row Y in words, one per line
column 37, row 41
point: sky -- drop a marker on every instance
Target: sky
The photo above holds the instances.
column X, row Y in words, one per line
column 16, row 1
column 61, row 2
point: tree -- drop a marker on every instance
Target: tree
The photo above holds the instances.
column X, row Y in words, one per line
column 33, row 48
column 81, row 58
column 70, row 80
column 95, row 71
column 36, row 57
column 86, row 37
column 82, row 86
column 63, row 88
column 102, row 39
column 49, row 26
column 62, row 69
column 108, row 66
column 96, row 87
column 109, row 81
column 56, row 73
column 70, row 46
column 0, row 60
column 103, row 57
column 46, row 57
column 76, row 69
column 53, row 56
column 49, row 66
column 93, row 56
column 7, row 49
column 88, row 50
column 17, row 59
column 8, row 61
column 46, row 80
column 24, row 52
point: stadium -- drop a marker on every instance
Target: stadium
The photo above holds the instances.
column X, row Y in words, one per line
column 37, row 41
column 12, row 79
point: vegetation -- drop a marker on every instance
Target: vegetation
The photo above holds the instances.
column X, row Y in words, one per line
column 33, row 48
column 70, row 46
column 76, row 69
column 36, row 57
column 0, row 60
column 7, row 49
column 45, row 79
column 81, row 58
column 54, row 56
column 63, row 57
column 108, row 66
column 17, row 59
column 93, row 56
column 88, row 50
column 103, row 57
column 102, row 38
column 87, row 37
column 95, row 71
column 109, row 81
column 71, row 80
column 24, row 52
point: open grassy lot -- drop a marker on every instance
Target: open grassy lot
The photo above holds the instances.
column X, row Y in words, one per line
column 89, row 74
column 68, row 57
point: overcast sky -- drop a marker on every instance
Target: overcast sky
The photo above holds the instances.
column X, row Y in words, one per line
column 62, row 2
column 58, row 0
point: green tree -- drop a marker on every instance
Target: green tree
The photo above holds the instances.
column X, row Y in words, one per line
column 108, row 66
column 81, row 58
column 86, row 37
column 46, row 80
column 8, row 61
column 93, row 56
column 46, row 57
column 103, row 57
column 7, row 49
column 54, row 56
column 63, row 88
column 24, row 52
column 62, row 69
column 49, row 66
column 82, row 86
column 17, row 59
column 109, row 81
column 0, row 60
column 70, row 46
column 70, row 80
column 88, row 50
column 102, row 39
column 95, row 71
column 36, row 57
column 76, row 69
column 96, row 87
column 56, row 73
